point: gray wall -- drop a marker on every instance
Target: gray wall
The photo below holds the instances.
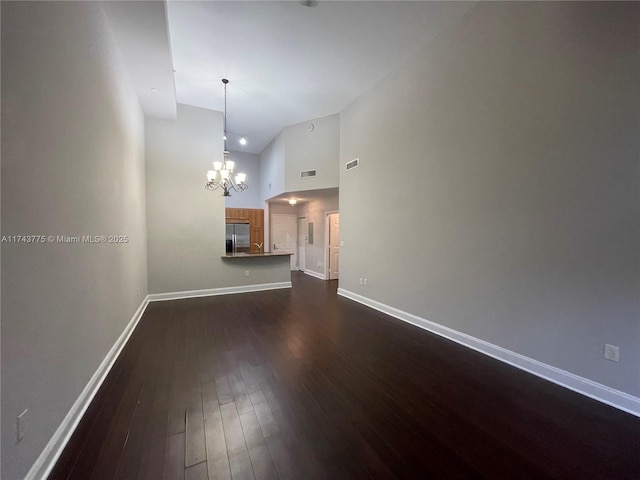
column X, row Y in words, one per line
column 317, row 149
column 185, row 222
column 282, row 207
column 248, row 163
column 272, row 168
column 515, row 146
column 297, row 148
column 72, row 164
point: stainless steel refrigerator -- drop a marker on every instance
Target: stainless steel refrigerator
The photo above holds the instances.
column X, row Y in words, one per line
column 237, row 238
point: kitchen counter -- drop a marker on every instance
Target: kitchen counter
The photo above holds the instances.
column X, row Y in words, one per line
column 257, row 255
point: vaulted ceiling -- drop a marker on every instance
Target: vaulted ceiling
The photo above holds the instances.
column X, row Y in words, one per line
column 287, row 62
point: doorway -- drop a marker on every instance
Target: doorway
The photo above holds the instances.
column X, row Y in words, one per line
column 284, row 232
column 332, row 227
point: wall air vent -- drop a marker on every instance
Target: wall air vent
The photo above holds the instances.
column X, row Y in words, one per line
column 353, row 163
column 308, row 173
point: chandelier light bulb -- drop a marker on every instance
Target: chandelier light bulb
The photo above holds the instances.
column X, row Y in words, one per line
column 222, row 174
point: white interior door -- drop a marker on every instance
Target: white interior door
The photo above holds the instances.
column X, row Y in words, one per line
column 284, row 232
column 334, row 246
column 302, row 243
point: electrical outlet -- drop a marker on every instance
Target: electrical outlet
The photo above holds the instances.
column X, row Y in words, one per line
column 366, row 281
column 611, row 352
column 319, row 263
column 361, row 281
column 246, row 273
column 21, row 425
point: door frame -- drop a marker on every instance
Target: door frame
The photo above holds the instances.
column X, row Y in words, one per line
column 326, row 242
column 302, row 248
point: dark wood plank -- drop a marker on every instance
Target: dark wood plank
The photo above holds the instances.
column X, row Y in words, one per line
column 263, row 467
column 239, row 392
column 173, row 465
column 217, row 456
column 225, row 395
column 178, row 399
column 280, row 452
column 266, row 419
column 195, row 450
column 196, row 472
column 301, row 383
column 239, row 460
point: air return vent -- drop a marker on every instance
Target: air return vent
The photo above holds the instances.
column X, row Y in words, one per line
column 353, row 163
column 308, row 173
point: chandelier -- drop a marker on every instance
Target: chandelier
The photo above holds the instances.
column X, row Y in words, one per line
column 222, row 174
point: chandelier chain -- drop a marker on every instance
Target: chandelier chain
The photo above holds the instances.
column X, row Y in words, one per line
column 222, row 174
column 225, row 81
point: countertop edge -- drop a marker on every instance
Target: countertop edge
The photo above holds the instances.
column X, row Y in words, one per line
column 257, row 255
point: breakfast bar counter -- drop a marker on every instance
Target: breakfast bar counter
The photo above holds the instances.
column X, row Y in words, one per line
column 257, row 255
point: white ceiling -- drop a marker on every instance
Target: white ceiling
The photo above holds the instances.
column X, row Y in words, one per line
column 140, row 31
column 286, row 63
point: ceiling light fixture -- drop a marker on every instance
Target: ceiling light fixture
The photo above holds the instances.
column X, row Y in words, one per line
column 292, row 201
column 222, row 174
column 242, row 140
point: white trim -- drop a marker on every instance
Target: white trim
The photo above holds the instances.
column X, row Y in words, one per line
column 326, row 241
column 597, row 391
column 52, row 451
column 315, row 274
column 157, row 297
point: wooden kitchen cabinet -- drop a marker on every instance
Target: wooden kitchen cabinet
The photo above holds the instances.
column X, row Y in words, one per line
column 256, row 229
column 237, row 215
column 255, row 218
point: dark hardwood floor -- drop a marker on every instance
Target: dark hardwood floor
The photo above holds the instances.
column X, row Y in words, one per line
column 303, row 384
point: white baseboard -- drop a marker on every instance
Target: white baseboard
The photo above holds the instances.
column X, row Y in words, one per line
column 315, row 274
column 157, row 297
column 597, row 391
column 52, row 451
